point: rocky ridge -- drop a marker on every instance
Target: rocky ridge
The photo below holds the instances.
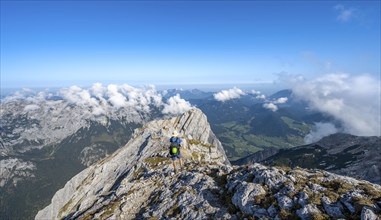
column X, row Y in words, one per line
column 138, row 182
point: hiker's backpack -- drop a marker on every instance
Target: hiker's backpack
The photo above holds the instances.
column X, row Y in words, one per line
column 174, row 146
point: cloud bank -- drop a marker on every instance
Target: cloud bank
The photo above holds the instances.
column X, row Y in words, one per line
column 226, row 95
column 352, row 100
column 101, row 100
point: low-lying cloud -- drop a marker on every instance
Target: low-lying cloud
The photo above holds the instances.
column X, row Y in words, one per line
column 176, row 105
column 116, row 98
column 100, row 100
column 319, row 131
column 272, row 105
column 226, row 95
column 352, row 100
column 281, row 100
column 236, row 93
column 258, row 94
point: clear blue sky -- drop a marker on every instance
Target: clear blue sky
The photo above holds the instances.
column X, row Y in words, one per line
column 62, row 43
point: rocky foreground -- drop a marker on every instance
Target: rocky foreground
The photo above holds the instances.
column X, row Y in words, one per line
column 201, row 191
column 138, row 182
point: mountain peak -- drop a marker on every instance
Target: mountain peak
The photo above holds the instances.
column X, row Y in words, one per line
column 148, row 145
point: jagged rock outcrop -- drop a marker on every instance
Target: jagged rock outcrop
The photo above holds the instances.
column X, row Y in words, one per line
column 138, row 182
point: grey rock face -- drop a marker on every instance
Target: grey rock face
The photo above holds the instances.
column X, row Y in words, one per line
column 334, row 210
column 244, row 196
column 308, row 211
column 368, row 214
column 285, row 202
column 303, row 198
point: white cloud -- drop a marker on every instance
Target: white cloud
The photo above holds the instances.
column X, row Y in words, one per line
column 164, row 92
column 261, row 96
column 270, row 106
column 225, row 95
column 98, row 90
column 26, row 94
column 116, row 98
column 319, row 131
column 344, row 14
column 176, row 105
column 281, row 100
column 79, row 96
column 84, row 98
column 113, row 97
column 141, row 99
column 258, row 94
column 255, row 92
column 353, row 100
column 104, row 100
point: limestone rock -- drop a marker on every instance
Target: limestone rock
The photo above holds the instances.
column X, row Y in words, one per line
column 368, row 214
column 244, row 196
column 308, row 211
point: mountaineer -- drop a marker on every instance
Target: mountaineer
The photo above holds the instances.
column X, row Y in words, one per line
column 174, row 149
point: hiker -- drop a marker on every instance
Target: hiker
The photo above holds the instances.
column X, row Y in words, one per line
column 174, row 149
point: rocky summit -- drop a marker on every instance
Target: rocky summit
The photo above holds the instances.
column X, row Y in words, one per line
column 138, row 181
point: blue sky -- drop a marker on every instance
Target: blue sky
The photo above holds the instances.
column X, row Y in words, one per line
column 63, row 43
